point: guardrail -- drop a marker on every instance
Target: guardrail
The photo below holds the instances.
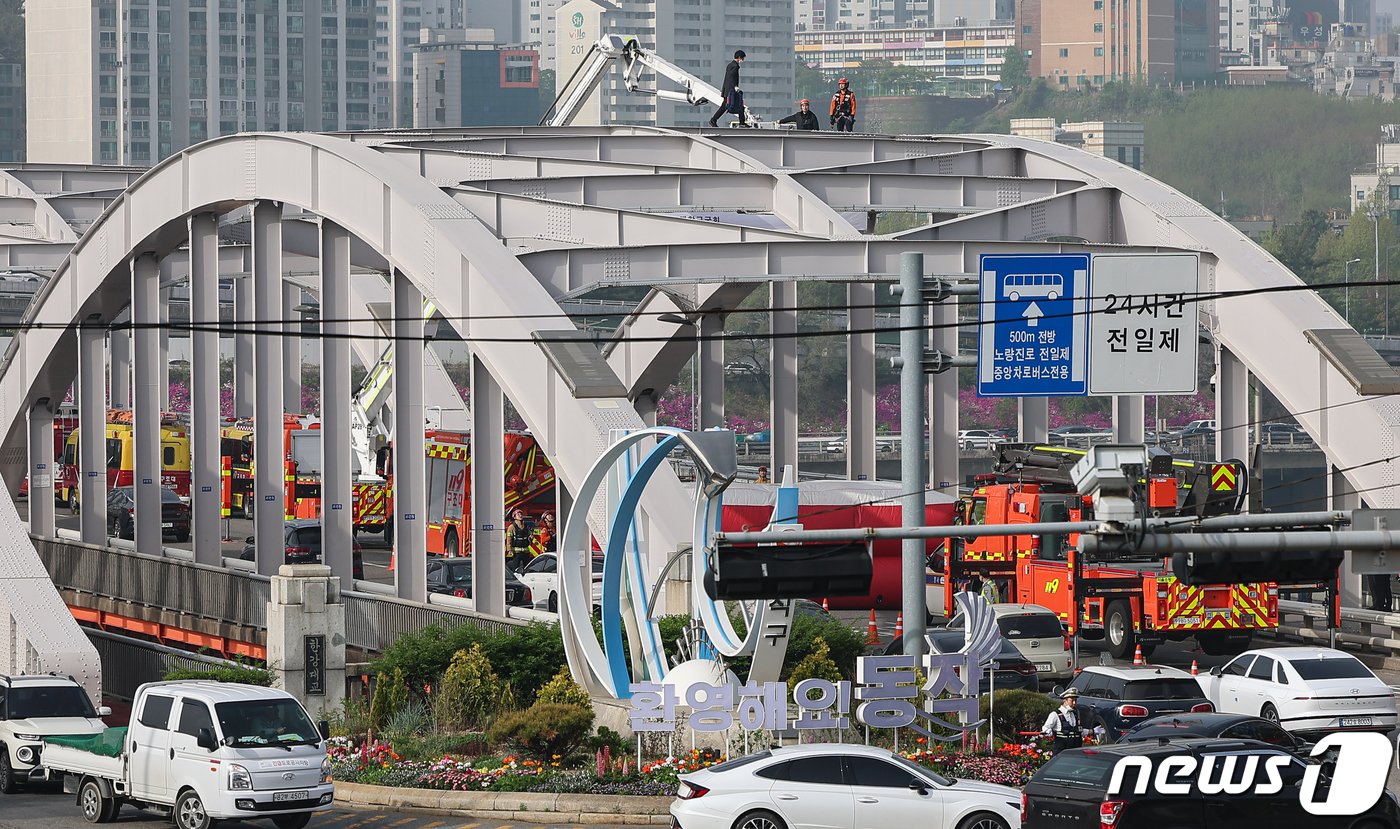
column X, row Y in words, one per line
column 127, row 662
column 237, row 597
column 1366, row 628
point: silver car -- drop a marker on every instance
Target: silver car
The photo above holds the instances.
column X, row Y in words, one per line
column 1037, row 633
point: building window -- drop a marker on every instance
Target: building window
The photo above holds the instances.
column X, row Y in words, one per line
column 1098, row 28
column 1064, row 80
column 1361, row 195
column 1395, row 192
column 1137, row 158
column 1098, row 5
column 1122, row 155
column 1064, row 53
column 1098, row 51
column 1025, row 30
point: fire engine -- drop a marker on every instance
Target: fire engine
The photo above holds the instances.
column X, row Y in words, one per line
column 1133, row 600
column 121, row 456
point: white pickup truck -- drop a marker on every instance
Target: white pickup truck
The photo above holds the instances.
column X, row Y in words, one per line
column 201, row 751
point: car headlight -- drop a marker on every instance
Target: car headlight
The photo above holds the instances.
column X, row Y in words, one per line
column 24, row 754
column 326, row 770
column 33, row 738
column 239, row 778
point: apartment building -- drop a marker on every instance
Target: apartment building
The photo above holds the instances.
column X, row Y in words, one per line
column 1075, row 44
column 462, row 78
column 973, row 51
column 1121, row 141
column 133, row 81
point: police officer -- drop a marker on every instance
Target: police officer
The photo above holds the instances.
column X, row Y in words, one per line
column 843, row 107
column 1063, row 725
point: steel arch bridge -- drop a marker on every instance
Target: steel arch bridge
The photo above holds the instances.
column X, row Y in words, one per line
column 497, row 227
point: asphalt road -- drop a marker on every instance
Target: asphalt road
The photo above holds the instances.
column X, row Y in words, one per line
column 50, row 808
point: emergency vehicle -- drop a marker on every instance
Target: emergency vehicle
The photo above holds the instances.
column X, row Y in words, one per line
column 121, row 456
column 1129, row 600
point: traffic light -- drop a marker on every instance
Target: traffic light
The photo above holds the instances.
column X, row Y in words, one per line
column 1236, row 566
column 788, row 571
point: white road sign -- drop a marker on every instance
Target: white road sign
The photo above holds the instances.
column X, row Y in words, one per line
column 1142, row 324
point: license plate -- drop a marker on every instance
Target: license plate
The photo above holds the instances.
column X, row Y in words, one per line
column 279, row 797
column 169, row 526
column 1043, row 666
column 1350, row 721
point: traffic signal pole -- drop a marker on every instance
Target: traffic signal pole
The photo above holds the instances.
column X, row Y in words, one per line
column 911, row 454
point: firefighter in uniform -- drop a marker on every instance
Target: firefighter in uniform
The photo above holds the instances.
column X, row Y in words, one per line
column 545, row 535
column 518, row 542
column 843, row 107
column 1063, row 725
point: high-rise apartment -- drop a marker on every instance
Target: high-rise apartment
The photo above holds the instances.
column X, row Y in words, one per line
column 1075, row 44
column 133, row 81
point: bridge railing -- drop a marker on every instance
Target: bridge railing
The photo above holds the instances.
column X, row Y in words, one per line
column 180, row 587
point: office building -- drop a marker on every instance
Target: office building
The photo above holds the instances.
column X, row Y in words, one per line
column 133, row 81
column 463, row 79
column 975, row 51
column 12, row 112
column 1119, row 140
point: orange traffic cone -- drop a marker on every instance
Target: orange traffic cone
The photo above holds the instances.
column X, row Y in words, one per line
column 1137, row 656
column 899, row 626
column 1195, row 669
column 826, row 606
column 872, row 636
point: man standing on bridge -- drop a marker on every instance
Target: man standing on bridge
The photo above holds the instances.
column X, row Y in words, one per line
column 733, row 98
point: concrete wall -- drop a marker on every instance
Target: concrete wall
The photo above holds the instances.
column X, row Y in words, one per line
column 61, row 81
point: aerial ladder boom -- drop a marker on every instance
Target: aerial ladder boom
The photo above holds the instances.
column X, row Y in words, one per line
column 634, row 58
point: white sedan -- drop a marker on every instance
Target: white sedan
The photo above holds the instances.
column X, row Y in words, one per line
column 1303, row 689
column 837, row 786
column 541, row 575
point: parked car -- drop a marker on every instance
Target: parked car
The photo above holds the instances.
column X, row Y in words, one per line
column 121, row 514
column 1303, row 689
column 1071, row 791
column 303, row 546
column 836, row 785
column 1013, row 669
column 35, row 706
column 541, row 575
column 970, row 440
column 1037, row 633
column 1119, row 697
column 1217, row 725
column 835, row 446
column 453, row 577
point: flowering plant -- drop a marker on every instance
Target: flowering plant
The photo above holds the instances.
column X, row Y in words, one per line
column 671, row 768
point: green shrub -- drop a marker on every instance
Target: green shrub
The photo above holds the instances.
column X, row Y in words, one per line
column 1017, row 711
column 390, row 695
column 815, row 665
column 843, row 643
column 352, row 720
column 470, row 691
column 617, row 745
column 563, row 689
column 544, row 729
column 245, row 674
column 412, row 718
column 525, row 656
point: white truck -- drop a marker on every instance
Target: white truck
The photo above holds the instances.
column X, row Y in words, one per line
column 201, row 752
column 35, row 706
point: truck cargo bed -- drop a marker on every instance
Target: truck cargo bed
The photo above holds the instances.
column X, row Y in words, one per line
column 95, row 759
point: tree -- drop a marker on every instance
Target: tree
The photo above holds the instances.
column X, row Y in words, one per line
column 470, row 692
column 547, row 91
column 809, row 81
column 1015, row 69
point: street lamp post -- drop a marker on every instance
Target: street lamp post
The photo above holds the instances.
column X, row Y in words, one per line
column 1346, row 291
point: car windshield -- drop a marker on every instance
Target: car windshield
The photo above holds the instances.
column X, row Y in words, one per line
column 1335, row 667
column 1030, row 626
column 1089, row 769
column 49, row 701
column 168, row 496
column 265, row 722
column 1164, row 688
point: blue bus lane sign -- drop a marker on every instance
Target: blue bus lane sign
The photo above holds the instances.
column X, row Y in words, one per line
column 1033, row 338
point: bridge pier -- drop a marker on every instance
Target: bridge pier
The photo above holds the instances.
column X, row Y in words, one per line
column 291, row 348
column 243, row 340
column 206, row 471
column 410, row 466
column 860, row 381
column 488, row 492
column 1128, row 412
column 120, row 365
column 306, row 637
column 782, row 376
column 1231, row 406
column 145, row 318
column 269, row 483
column 1342, row 495
column 945, row 472
column 1033, row 419
column 710, row 360
column 92, row 415
column 41, row 466
column 337, row 511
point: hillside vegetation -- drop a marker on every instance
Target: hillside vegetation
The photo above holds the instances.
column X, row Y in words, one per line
column 1273, row 151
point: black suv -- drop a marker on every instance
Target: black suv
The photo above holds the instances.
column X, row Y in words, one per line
column 121, row 514
column 1071, row 791
column 1120, row 697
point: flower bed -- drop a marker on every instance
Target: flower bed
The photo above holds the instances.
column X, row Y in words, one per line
column 378, row 763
